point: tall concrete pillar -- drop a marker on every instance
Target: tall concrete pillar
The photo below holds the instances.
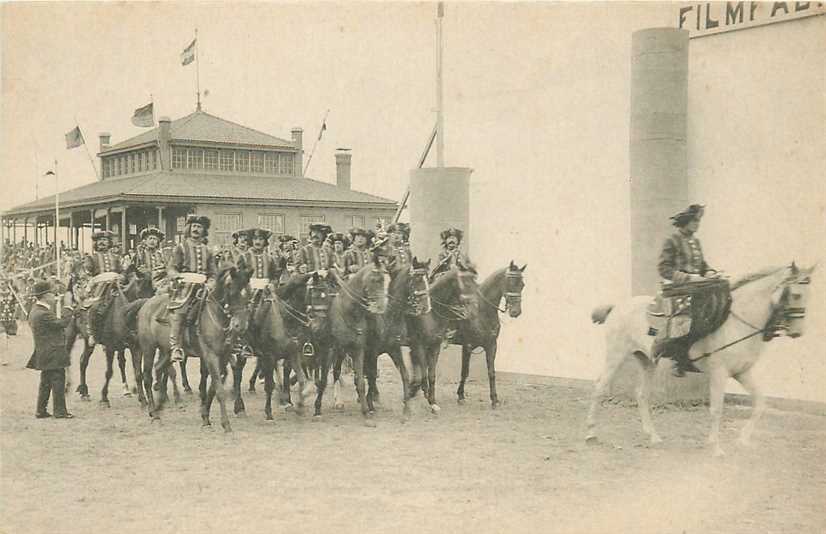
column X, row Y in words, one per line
column 439, row 198
column 659, row 182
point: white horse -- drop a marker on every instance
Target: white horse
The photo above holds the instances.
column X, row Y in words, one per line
column 761, row 302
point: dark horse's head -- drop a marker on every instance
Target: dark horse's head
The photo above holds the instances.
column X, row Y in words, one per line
column 418, row 300
column 458, row 289
column 232, row 292
column 514, row 283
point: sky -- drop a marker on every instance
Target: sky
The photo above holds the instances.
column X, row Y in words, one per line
column 536, row 102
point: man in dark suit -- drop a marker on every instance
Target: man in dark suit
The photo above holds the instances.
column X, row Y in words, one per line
column 50, row 356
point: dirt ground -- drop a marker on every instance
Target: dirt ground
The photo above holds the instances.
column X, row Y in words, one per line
column 521, row 468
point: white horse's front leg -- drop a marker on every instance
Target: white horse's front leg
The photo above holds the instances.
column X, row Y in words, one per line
column 643, row 392
column 746, row 379
column 719, row 376
column 613, row 360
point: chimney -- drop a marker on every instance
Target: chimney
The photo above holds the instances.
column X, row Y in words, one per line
column 343, row 158
column 298, row 142
column 164, row 137
column 105, row 138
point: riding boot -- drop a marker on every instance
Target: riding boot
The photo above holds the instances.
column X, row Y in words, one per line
column 176, row 321
column 683, row 363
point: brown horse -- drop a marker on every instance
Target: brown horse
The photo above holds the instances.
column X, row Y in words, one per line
column 361, row 296
column 224, row 315
column 482, row 330
column 454, row 297
column 114, row 332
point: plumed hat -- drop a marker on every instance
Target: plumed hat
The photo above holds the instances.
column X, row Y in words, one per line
column 358, row 231
column 203, row 220
column 103, row 234
column 694, row 211
column 339, row 236
column 455, row 232
column 325, row 229
column 146, row 232
column 261, row 233
column 402, row 228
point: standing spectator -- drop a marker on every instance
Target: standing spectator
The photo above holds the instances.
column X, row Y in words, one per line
column 50, row 356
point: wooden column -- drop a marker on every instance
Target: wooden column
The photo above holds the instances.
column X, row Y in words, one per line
column 123, row 230
column 14, row 230
column 26, row 228
column 108, row 219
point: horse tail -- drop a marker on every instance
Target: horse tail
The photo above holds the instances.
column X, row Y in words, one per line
column 600, row 313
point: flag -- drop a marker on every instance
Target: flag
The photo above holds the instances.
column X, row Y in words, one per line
column 144, row 117
column 49, row 173
column 188, row 55
column 323, row 127
column 74, row 138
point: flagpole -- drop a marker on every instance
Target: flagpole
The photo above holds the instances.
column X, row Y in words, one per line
column 56, row 225
column 315, row 143
column 197, row 71
column 37, row 174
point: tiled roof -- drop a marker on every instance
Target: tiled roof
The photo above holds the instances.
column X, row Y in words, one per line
column 194, row 187
column 201, row 126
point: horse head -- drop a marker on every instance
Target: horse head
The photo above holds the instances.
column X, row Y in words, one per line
column 419, row 288
column 791, row 297
column 232, row 292
column 458, row 290
column 514, row 283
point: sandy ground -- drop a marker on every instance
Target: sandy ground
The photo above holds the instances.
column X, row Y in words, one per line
column 521, row 468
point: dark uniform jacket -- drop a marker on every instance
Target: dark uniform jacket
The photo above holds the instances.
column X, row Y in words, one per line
column 401, row 255
column 315, row 258
column 356, row 258
column 102, row 262
column 49, row 343
column 262, row 265
column 192, row 257
column 151, row 261
column 680, row 257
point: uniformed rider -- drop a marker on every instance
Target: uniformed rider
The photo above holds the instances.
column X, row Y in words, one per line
column 451, row 255
column 102, row 260
column 399, row 244
column 359, row 254
column 681, row 261
column 191, row 256
column 314, row 256
column 149, row 260
column 338, row 255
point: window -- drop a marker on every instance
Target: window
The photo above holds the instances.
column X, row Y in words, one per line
column 306, row 221
column 180, row 223
column 141, row 161
column 131, row 163
column 117, row 166
column 223, row 225
column 285, row 164
column 155, row 159
column 105, row 168
column 272, row 163
column 273, row 223
column 357, row 221
column 195, row 158
column 257, row 162
column 227, row 160
column 242, row 161
column 211, row 159
column 179, row 158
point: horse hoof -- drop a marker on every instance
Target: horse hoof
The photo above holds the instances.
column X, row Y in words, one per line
column 369, row 423
column 339, row 406
column 104, row 403
column 252, row 391
column 206, row 424
column 591, row 438
column 188, row 390
column 227, row 428
column 86, row 398
column 460, row 401
column 156, row 386
column 155, row 419
column 434, row 408
column 495, row 404
column 317, row 418
column 268, row 417
column 240, row 413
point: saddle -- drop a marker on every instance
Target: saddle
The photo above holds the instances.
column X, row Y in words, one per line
column 689, row 311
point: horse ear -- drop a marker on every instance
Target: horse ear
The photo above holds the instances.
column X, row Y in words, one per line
column 512, row 266
column 794, row 268
column 523, row 268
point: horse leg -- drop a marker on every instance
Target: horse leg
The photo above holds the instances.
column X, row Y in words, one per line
column 398, row 361
column 176, row 393
column 418, row 372
column 216, row 387
column 255, row 374
column 321, row 383
column 613, row 360
column 432, row 361
column 202, row 393
column 184, row 378
column 746, row 379
column 148, row 369
column 284, row 395
column 358, row 371
column 371, row 358
column 490, row 358
column 237, row 374
column 122, row 365
column 264, row 368
column 460, row 393
column 104, row 393
column 337, row 402
column 136, row 369
column 82, row 388
column 643, row 392
column 304, row 383
column 719, row 377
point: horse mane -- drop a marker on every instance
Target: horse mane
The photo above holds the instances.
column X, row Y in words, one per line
column 495, row 278
column 751, row 277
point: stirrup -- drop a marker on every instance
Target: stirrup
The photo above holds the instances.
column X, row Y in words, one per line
column 308, row 350
column 177, row 354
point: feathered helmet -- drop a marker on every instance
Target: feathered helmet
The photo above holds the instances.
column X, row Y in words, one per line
column 451, row 232
column 103, row 234
column 401, row 228
column 694, row 211
column 339, row 236
column 197, row 219
column 260, row 233
column 146, row 232
column 241, row 235
column 323, row 229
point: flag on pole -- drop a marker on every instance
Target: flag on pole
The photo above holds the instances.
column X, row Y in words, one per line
column 323, row 127
column 188, row 55
column 74, row 138
column 144, row 117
